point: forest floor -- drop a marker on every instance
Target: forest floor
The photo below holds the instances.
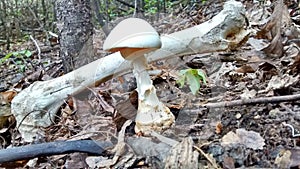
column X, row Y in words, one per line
column 251, row 134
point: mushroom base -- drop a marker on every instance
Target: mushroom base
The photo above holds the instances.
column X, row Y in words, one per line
column 152, row 114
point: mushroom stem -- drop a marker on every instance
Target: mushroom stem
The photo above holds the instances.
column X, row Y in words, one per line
column 143, row 79
column 152, row 114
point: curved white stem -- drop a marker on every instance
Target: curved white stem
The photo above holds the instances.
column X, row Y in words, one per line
column 152, row 113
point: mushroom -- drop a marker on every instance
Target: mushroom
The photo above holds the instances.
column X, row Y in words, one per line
column 133, row 38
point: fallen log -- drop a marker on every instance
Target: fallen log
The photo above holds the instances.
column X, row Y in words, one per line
column 36, row 106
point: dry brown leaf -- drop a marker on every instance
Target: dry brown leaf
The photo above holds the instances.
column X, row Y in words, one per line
column 267, row 66
column 248, row 94
column 228, row 163
column 288, row 158
column 272, row 30
column 230, row 139
column 282, row 82
column 245, row 69
column 258, row 44
column 249, row 139
column 6, row 97
column 219, row 127
column 182, row 155
column 296, row 64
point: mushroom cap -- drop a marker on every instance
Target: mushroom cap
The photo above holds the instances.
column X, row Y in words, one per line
column 132, row 35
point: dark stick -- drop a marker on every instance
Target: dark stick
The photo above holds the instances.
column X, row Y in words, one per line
column 53, row 148
column 262, row 100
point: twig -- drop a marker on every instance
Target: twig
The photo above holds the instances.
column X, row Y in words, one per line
column 119, row 148
column 292, row 128
column 262, row 100
column 102, row 102
column 135, row 8
column 164, row 139
column 35, row 17
column 212, row 162
column 37, row 47
column 287, row 108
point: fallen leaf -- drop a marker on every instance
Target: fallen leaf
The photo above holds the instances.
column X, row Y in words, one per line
column 258, row 44
column 219, row 127
column 230, row 139
column 249, row 139
column 182, row 155
column 267, row 66
column 296, row 64
column 248, row 94
column 288, row 158
column 245, row 69
column 272, row 30
column 228, row 163
column 285, row 81
column 6, row 97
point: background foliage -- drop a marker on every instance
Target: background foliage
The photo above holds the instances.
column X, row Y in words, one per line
column 19, row 18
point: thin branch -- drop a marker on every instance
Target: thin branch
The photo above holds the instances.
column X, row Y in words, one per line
column 208, row 157
column 262, row 100
column 129, row 5
column 37, row 47
column 292, row 128
column 135, row 8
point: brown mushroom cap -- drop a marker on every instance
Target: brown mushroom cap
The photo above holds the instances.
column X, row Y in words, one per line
column 132, row 37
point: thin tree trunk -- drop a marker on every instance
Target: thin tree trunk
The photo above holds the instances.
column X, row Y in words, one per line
column 158, row 10
column 75, row 31
column 100, row 17
column 164, row 6
column 6, row 25
column 45, row 13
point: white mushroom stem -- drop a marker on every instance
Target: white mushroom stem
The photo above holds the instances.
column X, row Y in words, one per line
column 152, row 113
column 143, row 79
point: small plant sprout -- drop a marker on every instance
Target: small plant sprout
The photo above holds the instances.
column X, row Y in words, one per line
column 134, row 38
column 193, row 78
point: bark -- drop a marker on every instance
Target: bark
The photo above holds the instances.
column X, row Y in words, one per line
column 6, row 24
column 75, row 31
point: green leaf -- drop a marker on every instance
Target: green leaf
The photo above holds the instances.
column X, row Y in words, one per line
column 193, row 81
column 193, row 77
column 19, row 62
column 27, row 53
column 182, row 72
column 15, row 53
column 8, row 55
column 2, row 60
column 202, row 75
column 22, row 68
column 181, row 81
column 22, row 52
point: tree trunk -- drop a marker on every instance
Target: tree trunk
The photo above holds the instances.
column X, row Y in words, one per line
column 99, row 16
column 6, row 24
column 75, row 31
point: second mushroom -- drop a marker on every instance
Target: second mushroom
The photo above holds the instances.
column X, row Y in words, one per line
column 134, row 38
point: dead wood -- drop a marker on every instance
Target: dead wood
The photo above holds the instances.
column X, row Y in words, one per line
column 261, row 100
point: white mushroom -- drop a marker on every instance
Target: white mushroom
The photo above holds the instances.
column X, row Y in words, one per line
column 134, row 38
